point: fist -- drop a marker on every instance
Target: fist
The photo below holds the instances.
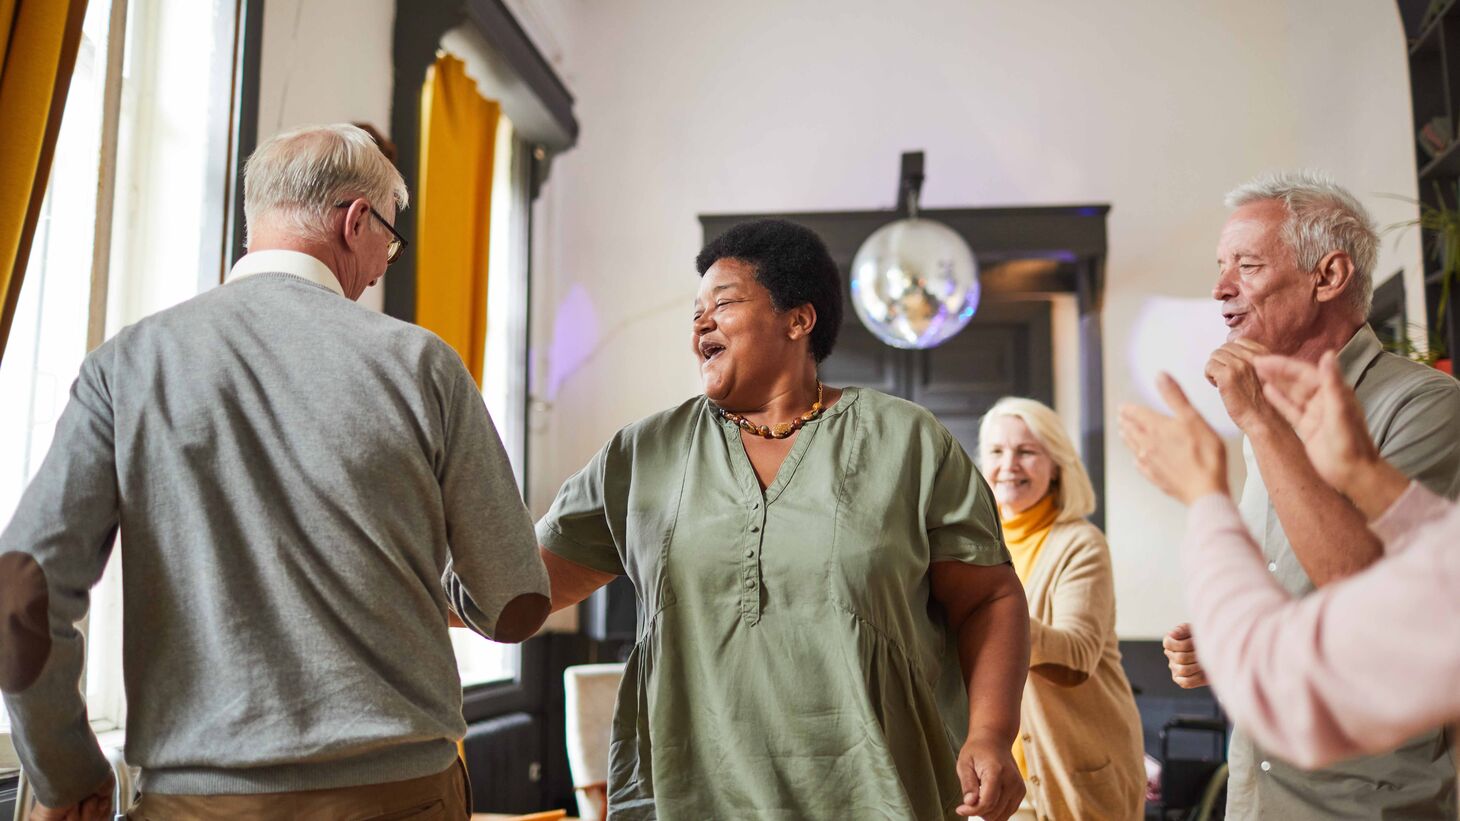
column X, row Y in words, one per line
column 94, row 807
column 992, row 786
column 1180, row 651
column 1232, row 371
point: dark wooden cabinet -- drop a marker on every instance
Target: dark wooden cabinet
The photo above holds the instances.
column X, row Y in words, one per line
column 1006, row 350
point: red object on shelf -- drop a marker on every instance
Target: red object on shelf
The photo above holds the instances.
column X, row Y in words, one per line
column 1445, row 365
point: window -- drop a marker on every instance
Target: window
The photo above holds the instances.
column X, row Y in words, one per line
column 480, row 661
column 49, row 336
column 503, row 374
column 168, row 238
column 160, row 242
column 172, row 156
column 504, row 360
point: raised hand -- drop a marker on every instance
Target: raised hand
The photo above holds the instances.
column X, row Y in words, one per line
column 1323, row 411
column 1179, row 454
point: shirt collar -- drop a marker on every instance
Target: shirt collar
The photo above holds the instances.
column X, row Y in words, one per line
column 1358, row 354
column 293, row 263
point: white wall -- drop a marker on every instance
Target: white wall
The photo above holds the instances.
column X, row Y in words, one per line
column 1155, row 107
column 327, row 61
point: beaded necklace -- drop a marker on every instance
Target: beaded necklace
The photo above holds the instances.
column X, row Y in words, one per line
column 780, row 431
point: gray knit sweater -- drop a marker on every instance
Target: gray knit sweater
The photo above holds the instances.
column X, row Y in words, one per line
column 302, row 487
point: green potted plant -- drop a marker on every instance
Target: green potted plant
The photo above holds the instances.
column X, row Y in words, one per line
column 1442, row 220
column 1427, row 349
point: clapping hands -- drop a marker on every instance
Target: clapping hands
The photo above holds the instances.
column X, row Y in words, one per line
column 1185, row 458
column 1179, row 454
column 1323, row 411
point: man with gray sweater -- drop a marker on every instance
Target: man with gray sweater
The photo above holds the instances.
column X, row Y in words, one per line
column 304, row 489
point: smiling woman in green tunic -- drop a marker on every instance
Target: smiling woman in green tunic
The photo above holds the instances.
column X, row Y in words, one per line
column 829, row 626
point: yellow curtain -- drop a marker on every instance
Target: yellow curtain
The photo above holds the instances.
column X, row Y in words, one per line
column 38, row 42
column 458, row 139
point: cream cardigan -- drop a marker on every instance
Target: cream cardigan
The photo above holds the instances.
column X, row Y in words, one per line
column 1080, row 728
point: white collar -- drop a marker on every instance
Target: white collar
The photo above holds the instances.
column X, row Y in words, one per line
column 294, row 263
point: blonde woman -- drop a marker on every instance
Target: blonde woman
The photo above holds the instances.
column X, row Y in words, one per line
column 1079, row 744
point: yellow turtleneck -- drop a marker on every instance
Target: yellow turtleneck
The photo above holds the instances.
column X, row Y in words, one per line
column 1025, row 534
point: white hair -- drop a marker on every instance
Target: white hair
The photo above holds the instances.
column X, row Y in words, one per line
column 295, row 180
column 1074, row 493
column 1322, row 217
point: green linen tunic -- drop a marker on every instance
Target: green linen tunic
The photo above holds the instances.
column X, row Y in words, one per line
column 790, row 662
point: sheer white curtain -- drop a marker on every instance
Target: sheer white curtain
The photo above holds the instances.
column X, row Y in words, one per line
column 167, row 237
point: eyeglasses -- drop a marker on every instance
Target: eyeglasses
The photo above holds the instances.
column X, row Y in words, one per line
column 396, row 246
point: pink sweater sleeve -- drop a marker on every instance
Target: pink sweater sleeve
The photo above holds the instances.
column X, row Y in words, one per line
column 1356, row 667
column 1403, row 524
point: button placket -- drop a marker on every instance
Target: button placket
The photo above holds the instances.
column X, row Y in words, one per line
column 750, row 565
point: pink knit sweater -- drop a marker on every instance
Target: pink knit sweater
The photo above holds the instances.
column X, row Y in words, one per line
column 1358, row 666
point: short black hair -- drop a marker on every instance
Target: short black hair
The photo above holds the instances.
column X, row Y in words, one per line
column 792, row 263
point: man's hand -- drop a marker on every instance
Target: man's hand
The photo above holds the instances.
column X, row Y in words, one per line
column 1231, row 371
column 1181, row 658
column 94, row 807
column 1324, row 412
column 992, row 786
column 1181, row 455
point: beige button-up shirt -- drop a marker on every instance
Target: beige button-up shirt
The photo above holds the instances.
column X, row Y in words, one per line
column 1414, row 414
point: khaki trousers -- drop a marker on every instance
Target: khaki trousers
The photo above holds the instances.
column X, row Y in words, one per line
column 446, row 795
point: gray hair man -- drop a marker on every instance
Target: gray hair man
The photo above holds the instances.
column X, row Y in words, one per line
column 1295, row 277
column 305, row 490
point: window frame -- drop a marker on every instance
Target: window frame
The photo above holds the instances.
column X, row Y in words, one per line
column 524, row 693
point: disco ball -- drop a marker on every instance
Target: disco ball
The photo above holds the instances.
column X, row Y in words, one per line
column 915, row 283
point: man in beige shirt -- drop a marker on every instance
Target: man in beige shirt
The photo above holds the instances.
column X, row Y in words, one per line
column 1296, row 259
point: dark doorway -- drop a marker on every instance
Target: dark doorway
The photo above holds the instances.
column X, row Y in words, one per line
column 1006, row 350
